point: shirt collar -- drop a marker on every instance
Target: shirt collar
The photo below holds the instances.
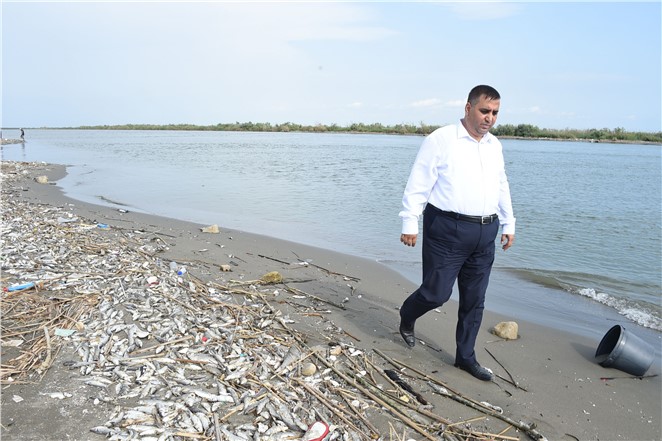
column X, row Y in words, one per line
column 463, row 133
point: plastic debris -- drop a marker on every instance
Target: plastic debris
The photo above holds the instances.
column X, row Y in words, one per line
column 64, row 332
column 316, row 432
column 20, row 287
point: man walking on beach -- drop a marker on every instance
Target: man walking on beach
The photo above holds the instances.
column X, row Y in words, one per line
column 458, row 181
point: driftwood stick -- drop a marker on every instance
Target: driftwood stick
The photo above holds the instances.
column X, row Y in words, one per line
column 47, row 362
column 377, row 399
column 632, row 377
column 343, row 393
column 275, row 260
column 352, row 278
column 512, row 380
column 330, row 406
column 393, row 375
column 495, row 435
column 434, row 383
column 526, row 428
column 314, row 297
column 394, row 410
column 399, row 364
column 411, row 406
column 463, row 432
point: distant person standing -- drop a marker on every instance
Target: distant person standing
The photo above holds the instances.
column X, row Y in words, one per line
column 22, row 135
column 458, row 182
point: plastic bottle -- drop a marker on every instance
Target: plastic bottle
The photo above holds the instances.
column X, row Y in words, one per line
column 20, row 287
column 173, row 266
column 181, row 271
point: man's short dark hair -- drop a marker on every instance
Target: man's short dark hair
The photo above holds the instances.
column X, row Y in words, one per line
column 478, row 91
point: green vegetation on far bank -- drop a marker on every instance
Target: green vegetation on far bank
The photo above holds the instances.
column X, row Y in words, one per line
column 527, row 131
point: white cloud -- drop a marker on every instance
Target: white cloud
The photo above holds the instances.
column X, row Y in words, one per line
column 355, row 105
column 534, row 109
column 286, row 22
column 429, row 102
column 456, row 103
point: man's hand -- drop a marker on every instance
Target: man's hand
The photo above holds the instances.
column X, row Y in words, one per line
column 507, row 241
column 408, row 239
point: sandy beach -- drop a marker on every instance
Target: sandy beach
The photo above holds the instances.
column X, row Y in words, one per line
column 547, row 380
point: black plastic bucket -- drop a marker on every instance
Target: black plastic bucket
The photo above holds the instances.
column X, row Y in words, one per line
column 624, row 351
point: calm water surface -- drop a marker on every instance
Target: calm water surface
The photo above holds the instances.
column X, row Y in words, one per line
column 588, row 215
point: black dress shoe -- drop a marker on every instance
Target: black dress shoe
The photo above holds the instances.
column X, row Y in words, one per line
column 407, row 333
column 476, row 370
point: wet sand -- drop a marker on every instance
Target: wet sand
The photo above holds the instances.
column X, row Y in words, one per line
column 561, row 387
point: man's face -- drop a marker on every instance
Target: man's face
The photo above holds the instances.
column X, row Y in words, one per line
column 480, row 118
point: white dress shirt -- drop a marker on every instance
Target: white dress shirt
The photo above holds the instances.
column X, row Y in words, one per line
column 454, row 172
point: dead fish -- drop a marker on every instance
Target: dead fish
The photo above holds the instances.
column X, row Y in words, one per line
column 293, row 354
column 231, row 436
column 203, row 358
column 196, row 422
column 97, row 383
column 103, row 430
column 212, row 397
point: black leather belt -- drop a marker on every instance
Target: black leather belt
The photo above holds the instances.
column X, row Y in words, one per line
column 483, row 220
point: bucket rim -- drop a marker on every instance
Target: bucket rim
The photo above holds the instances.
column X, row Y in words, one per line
column 612, row 352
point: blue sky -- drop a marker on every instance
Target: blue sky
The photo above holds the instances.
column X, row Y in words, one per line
column 556, row 64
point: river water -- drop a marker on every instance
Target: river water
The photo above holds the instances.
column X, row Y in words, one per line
column 588, row 249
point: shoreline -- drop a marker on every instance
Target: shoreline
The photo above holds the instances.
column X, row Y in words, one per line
column 565, row 395
column 526, row 138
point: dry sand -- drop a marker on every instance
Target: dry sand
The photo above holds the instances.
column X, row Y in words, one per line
column 562, row 388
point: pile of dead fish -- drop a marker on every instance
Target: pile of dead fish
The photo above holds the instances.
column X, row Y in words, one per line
column 178, row 359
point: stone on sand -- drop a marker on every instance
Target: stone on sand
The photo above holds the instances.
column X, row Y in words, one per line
column 507, row 330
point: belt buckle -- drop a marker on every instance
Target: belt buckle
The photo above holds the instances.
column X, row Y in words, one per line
column 484, row 220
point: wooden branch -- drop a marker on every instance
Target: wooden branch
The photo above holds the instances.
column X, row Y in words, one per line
column 376, row 399
column 399, row 364
column 403, row 384
column 331, row 407
column 343, row 393
column 314, row 297
column 512, row 380
column 275, row 260
column 435, row 384
column 352, row 278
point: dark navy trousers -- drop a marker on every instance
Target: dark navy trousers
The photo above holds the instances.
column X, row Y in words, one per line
column 453, row 250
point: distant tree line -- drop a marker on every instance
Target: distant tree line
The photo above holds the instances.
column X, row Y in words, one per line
column 597, row 135
column 504, row 130
column 403, row 129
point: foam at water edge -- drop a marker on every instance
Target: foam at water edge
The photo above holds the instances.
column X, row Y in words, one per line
column 636, row 314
